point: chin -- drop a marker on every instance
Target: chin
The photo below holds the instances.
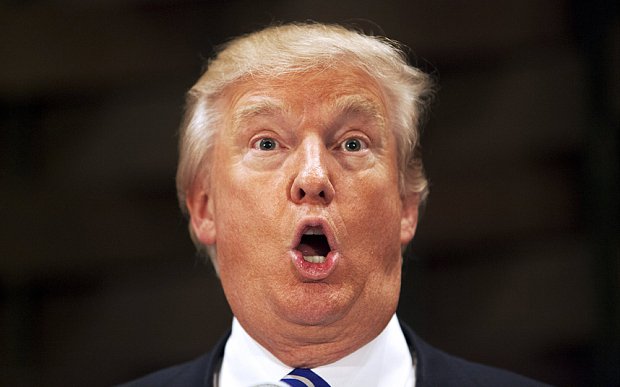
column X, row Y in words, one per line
column 314, row 317
column 317, row 304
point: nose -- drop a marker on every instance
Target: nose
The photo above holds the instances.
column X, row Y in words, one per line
column 312, row 183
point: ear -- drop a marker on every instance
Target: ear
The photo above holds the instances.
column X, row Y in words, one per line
column 202, row 219
column 409, row 218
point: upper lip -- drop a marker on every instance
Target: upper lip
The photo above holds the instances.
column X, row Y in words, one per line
column 313, row 225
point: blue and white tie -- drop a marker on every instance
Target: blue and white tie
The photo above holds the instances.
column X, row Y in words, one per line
column 304, row 377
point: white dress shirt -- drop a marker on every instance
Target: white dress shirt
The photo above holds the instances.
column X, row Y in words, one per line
column 383, row 362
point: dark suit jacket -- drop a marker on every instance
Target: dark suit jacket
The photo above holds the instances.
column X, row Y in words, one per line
column 433, row 368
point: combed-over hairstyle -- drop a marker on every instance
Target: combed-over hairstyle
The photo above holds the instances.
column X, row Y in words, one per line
column 297, row 48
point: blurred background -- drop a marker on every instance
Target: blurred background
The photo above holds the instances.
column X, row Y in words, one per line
column 516, row 262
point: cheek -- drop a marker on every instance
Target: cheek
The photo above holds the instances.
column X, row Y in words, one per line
column 373, row 218
column 249, row 212
column 376, row 197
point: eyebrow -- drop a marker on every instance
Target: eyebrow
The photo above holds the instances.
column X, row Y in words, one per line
column 260, row 106
column 347, row 104
column 361, row 105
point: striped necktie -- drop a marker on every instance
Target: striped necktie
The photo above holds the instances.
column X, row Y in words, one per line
column 304, row 377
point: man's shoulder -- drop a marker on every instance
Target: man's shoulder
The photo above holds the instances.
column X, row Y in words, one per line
column 197, row 372
column 191, row 373
column 437, row 368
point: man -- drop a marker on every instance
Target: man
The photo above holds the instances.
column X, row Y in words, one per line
column 301, row 174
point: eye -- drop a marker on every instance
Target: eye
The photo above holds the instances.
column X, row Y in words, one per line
column 353, row 145
column 266, row 144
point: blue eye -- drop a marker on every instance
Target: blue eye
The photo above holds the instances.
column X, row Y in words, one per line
column 353, row 145
column 267, row 144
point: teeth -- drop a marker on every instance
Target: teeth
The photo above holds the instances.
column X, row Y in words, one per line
column 313, row 231
column 314, row 258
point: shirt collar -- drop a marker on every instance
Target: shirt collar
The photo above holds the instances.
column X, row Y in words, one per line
column 383, row 362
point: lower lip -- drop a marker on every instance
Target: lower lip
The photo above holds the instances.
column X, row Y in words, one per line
column 314, row 271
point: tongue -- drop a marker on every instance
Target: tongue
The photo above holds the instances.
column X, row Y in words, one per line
column 312, row 245
column 307, row 250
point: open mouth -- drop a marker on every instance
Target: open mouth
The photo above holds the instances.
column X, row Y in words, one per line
column 313, row 245
column 315, row 253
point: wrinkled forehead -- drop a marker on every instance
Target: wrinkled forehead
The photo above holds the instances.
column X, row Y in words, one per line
column 333, row 91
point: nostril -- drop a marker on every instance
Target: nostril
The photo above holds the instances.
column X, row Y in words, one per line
column 307, row 189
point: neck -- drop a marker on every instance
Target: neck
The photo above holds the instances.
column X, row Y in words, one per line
column 312, row 346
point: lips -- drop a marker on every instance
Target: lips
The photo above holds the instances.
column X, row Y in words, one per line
column 314, row 253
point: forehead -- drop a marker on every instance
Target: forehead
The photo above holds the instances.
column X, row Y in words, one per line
column 331, row 91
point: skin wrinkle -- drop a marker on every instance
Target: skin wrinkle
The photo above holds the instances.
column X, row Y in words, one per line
column 358, row 104
column 252, row 213
column 257, row 106
column 261, row 106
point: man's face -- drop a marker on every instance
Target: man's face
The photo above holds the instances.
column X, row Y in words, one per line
column 304, row 208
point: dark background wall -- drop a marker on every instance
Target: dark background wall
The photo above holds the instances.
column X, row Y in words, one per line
column 516, row 259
